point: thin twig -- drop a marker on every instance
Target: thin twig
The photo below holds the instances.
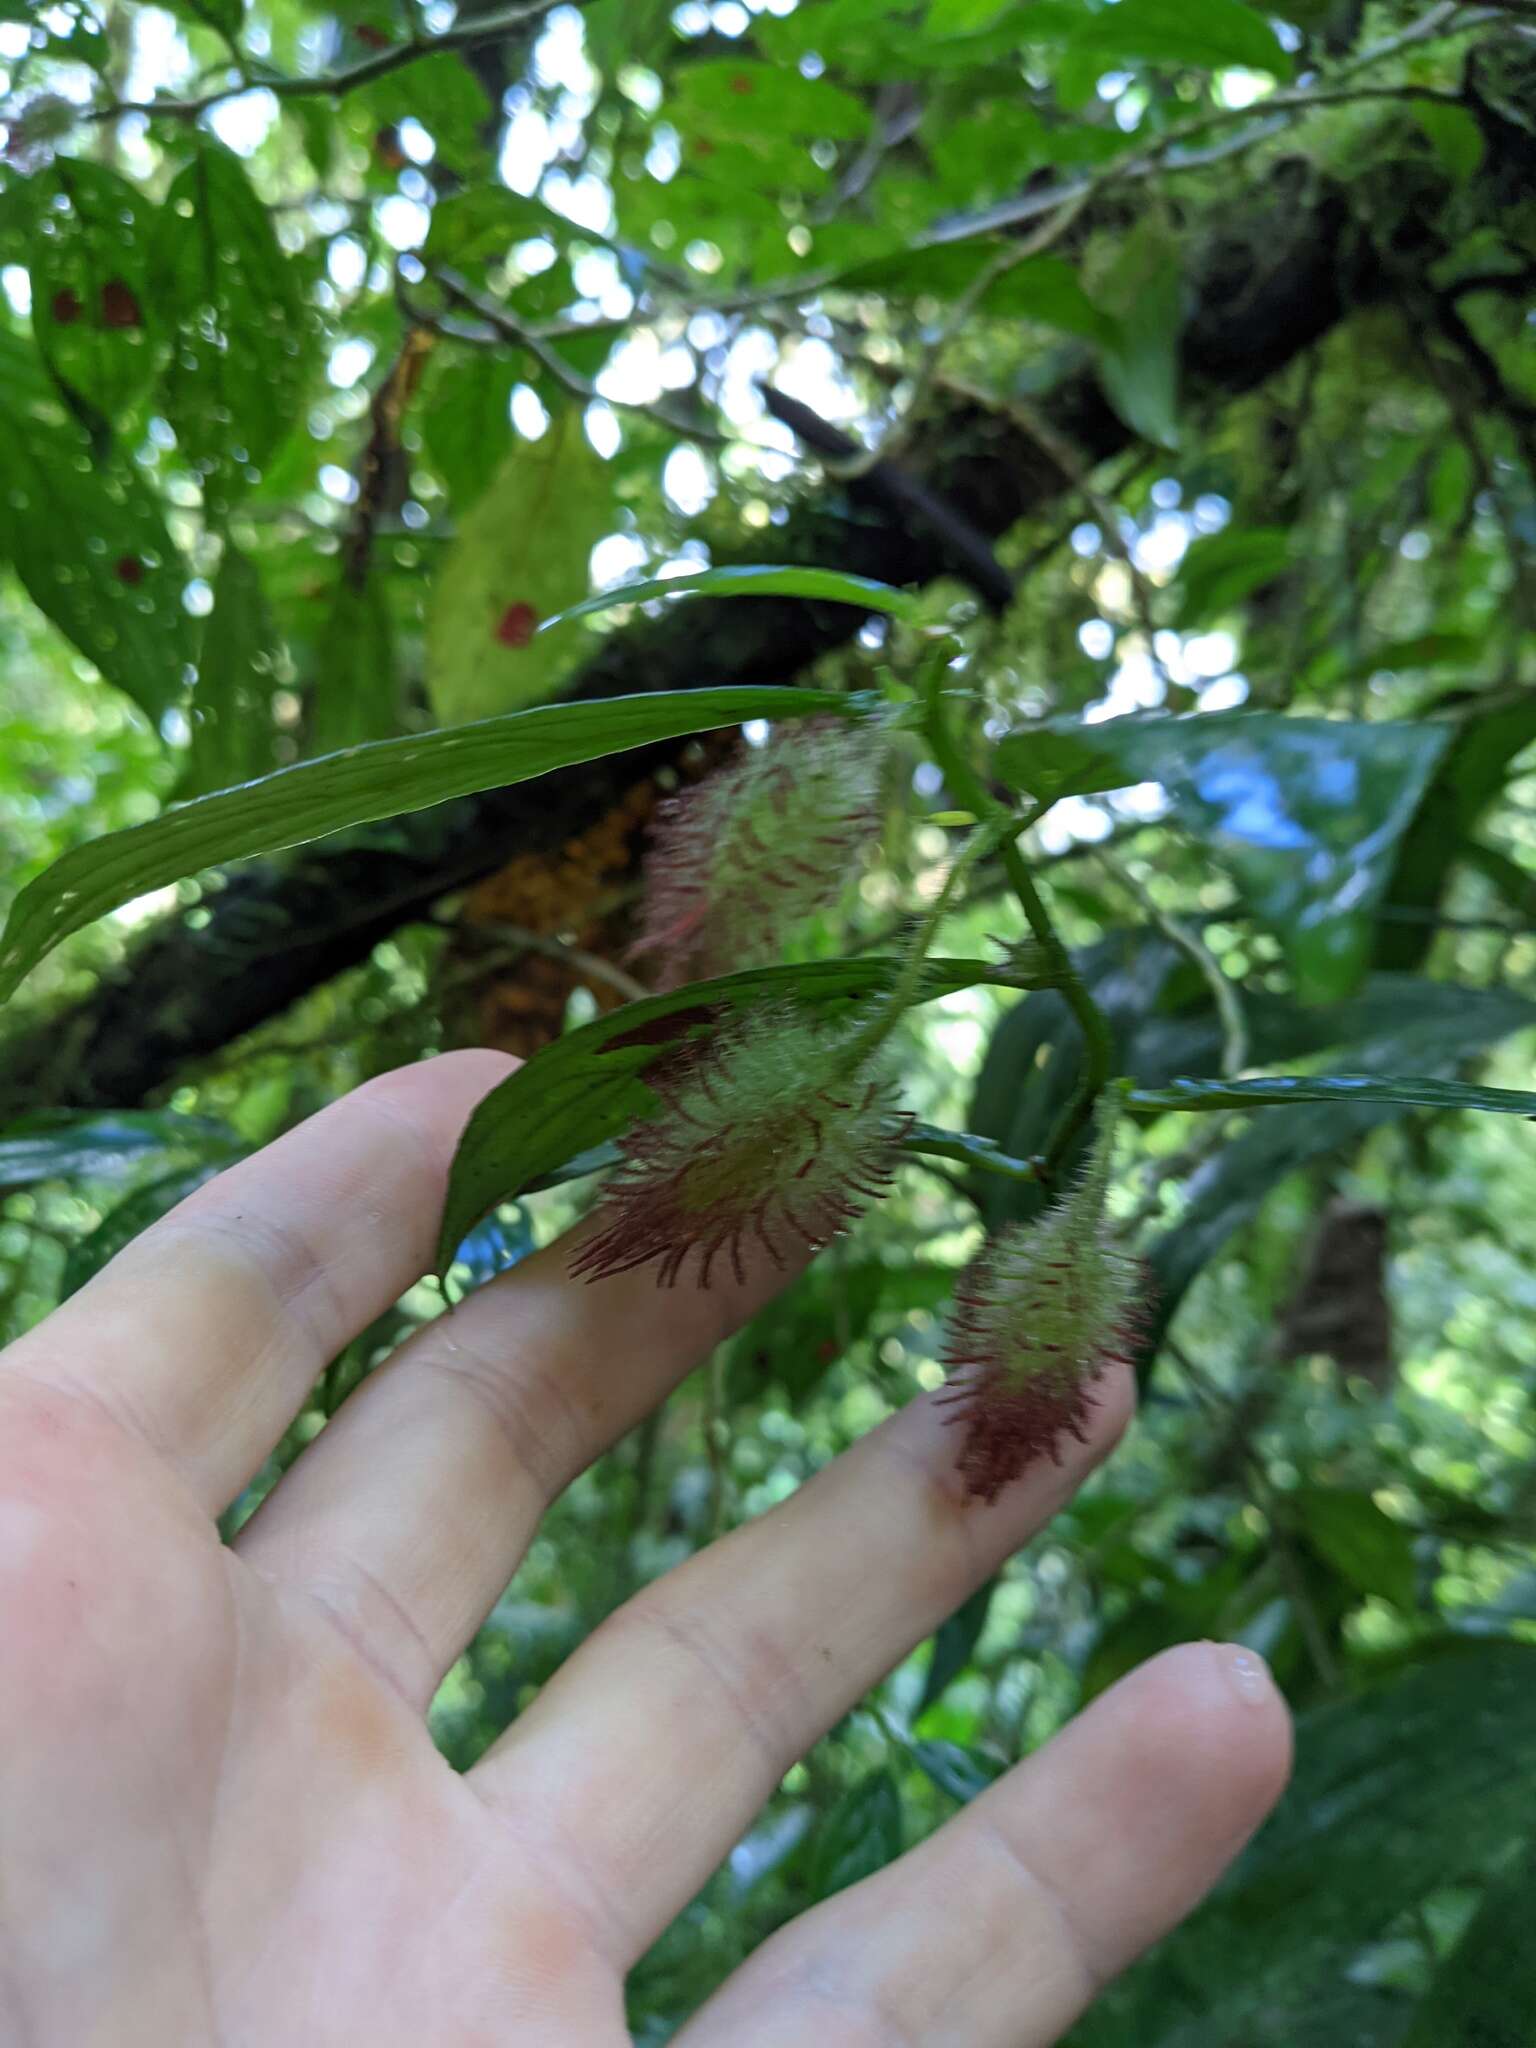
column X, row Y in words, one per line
column 464, row 35
column 1031, row 421
column 505, row 327
column 1224, row 993
column 590, row 965
column 957, row 319
column 1098, row 1043
column 1271, row 1503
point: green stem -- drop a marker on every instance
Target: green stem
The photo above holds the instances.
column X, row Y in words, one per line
column 904, row 990
column 1098, row 1045
column 967, row 1149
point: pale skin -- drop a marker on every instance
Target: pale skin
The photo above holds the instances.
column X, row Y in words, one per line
column 222, row 1823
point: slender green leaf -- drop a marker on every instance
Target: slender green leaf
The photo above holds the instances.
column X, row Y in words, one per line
column 231, row 709
column 1411, row 1091
column 1397, row 1021
column 63, row 1146
column 833, row 586
column 340, row 790
column 521, row 555
column 967, row 1149
column 590, row 1085
column 861, row 1834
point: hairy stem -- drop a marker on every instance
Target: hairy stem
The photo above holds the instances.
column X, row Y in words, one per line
column 1098, row 1045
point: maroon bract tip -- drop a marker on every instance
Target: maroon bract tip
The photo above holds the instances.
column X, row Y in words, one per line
column 774, row 1136
column 1038, row 1317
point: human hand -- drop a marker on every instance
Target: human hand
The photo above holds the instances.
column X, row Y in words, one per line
column 222, row 1822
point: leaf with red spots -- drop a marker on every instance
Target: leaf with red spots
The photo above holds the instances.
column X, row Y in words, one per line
column 83, row 530
column 517, row 625
column 235, row 382
column 119, row 305
column 521, row 555
column 89, row 258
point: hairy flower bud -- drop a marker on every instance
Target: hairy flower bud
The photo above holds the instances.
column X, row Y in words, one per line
column 778, row 1132
column 742, row 857
column 1038, row 1316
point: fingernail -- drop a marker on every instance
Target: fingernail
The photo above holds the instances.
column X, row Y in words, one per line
column 1248, row 1673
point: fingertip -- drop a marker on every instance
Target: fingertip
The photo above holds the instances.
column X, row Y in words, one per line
column 1220, row 1734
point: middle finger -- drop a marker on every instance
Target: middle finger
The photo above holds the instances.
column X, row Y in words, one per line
column 411, row 1510
column 654, row 1746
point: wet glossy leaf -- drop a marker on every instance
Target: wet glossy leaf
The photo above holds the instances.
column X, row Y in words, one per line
column 831, row 586
column 861, row 1834
column 89, row 258
column 239, row 328
column 589, row 1085
column 1273, row 1090
column 1307, row 813
column 352, row 788
column 1424, row 1779
column 520, row 557
column 237, row 667
column 87, row 539
column 62, row 1146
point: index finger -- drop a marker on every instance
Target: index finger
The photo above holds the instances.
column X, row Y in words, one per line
column 203, row 1336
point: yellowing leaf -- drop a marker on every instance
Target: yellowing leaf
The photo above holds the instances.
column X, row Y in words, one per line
column 521, row 555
